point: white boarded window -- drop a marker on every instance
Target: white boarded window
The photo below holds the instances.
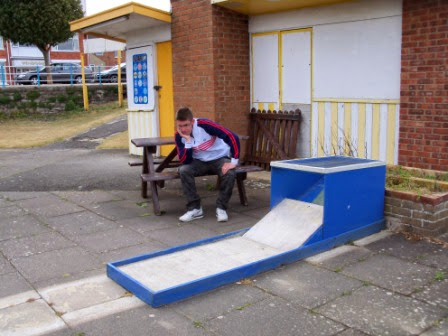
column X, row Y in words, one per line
column 296, row 67
column 265, row 68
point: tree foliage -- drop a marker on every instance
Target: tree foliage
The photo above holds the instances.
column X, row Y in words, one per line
column 43, row 23
column 38, row 22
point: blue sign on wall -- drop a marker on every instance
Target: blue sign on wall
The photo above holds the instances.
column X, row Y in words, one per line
column 140, row 78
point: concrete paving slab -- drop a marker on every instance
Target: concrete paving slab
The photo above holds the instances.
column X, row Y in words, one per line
column 142, row 321
column 66, row 278
column 22, row 226
column 423, row 252
column 337, row 258
column 372, row 238
column 391, row 273
column 20, row 195
column 13, row 283
column 81, row 294
column 435, row 293
column 44, row 242
column 220, row 229
column 5, row 266
column 272, row 316
column 180, row 235
column 48, row 206
column 87, row 197
column 379, row 312
column 109, row 240
column 352, row 332
column 5, row 202
column 440, row 329
column 16, row 299
column 102, row 310
column 306, row 285
column 118, row 210
column 236, row 220
column 55, row 264
column 134, row 195
column 80, row 223
column 10, row 212
column 256, row 213
column 130, row 251
column 150, row 223
column 29, row 319
column 219, row 302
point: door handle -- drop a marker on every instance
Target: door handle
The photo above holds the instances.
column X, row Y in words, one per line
column 157, row 87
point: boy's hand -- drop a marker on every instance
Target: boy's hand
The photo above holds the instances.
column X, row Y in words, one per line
column 227, row 166
column 186, row 137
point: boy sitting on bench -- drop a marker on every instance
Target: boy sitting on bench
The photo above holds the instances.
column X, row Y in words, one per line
column 205, row 147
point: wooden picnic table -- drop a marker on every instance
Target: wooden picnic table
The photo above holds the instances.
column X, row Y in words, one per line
column 156, row 177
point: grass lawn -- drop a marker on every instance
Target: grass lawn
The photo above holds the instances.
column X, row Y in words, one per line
column 116, row 141
column 26, row 133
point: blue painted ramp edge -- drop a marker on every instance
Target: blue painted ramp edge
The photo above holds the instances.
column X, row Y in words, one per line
column 186, row 290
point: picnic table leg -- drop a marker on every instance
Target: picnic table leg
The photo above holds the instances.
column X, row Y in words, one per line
column 241, row 189
column 145, row 171
column 155, row 198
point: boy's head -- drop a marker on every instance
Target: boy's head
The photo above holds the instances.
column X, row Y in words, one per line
column 184, row 121
column 183, row 114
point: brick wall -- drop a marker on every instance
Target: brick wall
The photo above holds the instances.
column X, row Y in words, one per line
column 211, row 62
column 424, row 85
column 422, row 215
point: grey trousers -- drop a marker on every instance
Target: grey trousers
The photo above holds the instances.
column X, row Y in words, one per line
column 199, row 168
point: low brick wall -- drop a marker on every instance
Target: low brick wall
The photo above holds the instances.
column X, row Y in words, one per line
column 424, row 215
column 23, row 100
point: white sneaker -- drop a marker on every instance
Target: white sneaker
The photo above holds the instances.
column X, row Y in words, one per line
column 192, row 215
column 221, row 215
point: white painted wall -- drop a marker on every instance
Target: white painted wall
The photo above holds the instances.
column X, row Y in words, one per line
column 358, row 59
column 98, row 45
column 314, row 16
column 148, row 36
column 356, row 47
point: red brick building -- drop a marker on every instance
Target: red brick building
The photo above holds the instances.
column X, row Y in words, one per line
column 212, row 73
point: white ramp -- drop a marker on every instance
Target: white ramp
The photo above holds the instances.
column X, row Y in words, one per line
column 288, row 225
column 284, row 228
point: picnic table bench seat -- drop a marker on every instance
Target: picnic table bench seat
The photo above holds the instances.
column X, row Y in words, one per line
column 241, row 175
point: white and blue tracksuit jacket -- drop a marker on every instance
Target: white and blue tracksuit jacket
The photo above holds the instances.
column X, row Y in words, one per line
column 210, row 141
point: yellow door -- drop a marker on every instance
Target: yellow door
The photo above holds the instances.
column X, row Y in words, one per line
column 166, row 104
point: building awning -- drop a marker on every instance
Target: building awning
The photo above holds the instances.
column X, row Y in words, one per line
column 115, row 23
column 258, row 7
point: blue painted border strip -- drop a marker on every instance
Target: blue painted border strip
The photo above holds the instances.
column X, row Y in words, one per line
column 189, row 289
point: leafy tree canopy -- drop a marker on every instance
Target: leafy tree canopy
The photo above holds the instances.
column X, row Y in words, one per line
column 44, row 23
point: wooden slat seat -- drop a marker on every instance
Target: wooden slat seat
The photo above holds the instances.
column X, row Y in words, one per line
column 241, row 175
column 160, row 176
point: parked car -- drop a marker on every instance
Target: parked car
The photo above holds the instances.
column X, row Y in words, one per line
column 61, row 73
column 111, row 75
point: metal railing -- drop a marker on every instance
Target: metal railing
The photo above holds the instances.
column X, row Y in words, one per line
column 67, row 73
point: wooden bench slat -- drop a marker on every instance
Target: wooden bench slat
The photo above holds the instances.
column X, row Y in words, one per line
column 160, row 176
column 164, row 176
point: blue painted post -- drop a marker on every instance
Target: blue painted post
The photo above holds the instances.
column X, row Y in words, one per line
column 38, row 75
column 2, row 71
column 71, row 74
column 99, row 74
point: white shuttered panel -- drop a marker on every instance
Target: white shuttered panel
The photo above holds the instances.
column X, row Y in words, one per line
column 265, row 68
column 296, row 67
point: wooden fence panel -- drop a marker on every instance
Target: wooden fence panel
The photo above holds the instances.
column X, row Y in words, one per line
column 272, row 136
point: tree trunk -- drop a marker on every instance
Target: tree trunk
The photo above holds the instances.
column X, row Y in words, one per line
column 45, row 50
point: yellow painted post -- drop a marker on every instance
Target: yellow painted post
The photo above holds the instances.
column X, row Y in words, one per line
column 85, row 93
column 120, row 87
column 321, row 129
column 334, row 129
